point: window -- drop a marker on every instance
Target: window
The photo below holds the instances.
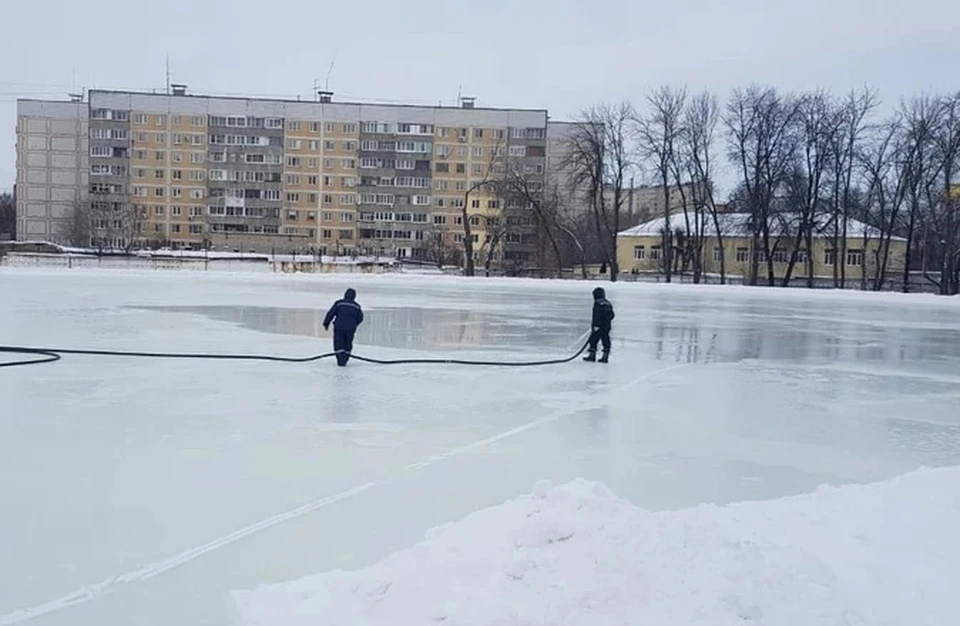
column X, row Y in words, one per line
column 293, row 179
column 196, row 229
column 313, row 145
column 348, row 164
column 639, row 253
column 474, row 204
column 655, row 253
column 478, row 151
column 176, row 211
column 295, row 126
column 346, row 217
column 349, row 146
column 328, row 198
column 461, row 168
column 743, row 255
column 346, row 234
column 177, row 192
column 406, row 164
column 348, row 181
column 349, row 129
column 196, row 211
column 312, row 180
column 829, row 257
column 271, row 194
column 158, row 210
column 780, row 256
column 477, row 133
column 518, row 151
column 196, row 121
column 441, row 185
column 326, row 234
column 294, row 144
column 159, row 174
column 493, row 204
column 99, row 170
column 293, row 197
column 312, row 198
column 716, row 254
column 160, row 155
column 855, row 257
column 273, row 122
column 293, row 161
column 477, row 169
column 328, row 164
column 159, row 192
column 369, row 163
column 160, row 120
column 139, row 118
column 456, row 203
column 420, row 200
column 196, row 194
column 328, row 127
column 348, row 199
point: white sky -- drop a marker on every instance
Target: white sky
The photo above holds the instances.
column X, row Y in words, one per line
column 557, row 54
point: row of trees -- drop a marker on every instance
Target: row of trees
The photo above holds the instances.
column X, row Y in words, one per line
column 805, row 165
column 8, row 215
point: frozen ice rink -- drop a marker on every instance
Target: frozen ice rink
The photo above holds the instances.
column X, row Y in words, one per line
column 143, row 491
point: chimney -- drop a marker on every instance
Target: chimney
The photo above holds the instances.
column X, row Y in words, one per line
column 467, row 102
column 179, row 90
column 324, row 96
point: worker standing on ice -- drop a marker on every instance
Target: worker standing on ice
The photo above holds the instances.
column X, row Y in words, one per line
column 346, row 315
column 600, row 326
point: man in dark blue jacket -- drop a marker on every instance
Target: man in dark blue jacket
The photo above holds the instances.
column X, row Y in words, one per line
column 346, row 315
column 600, row 326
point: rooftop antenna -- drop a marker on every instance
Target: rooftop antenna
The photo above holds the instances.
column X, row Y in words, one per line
column 326, row 83
column 168, row 74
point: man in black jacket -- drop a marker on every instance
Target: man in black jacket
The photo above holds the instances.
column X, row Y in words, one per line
column 346, row 315
column 600, row 326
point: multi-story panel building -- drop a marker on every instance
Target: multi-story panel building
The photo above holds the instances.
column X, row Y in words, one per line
column 315, row 177
column 52, row 168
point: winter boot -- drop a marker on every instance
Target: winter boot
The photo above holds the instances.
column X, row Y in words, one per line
column 591, row 357
column 605, row 358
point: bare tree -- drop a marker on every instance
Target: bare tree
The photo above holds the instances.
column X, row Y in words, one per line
column 921, row 118
column 659, row 134
column 886, row 159
column 818, row 124
column 762, row 144
column 854, row 114
column 436, row 248
column 700, row 122
column 943, row 203
column 600, row 157
column 8, row 216
column 492, row 181
column 523, row 187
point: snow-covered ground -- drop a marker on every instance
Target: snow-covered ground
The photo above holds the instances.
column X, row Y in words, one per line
column 145, row 492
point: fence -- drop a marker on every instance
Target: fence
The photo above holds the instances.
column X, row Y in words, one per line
column 193, row 264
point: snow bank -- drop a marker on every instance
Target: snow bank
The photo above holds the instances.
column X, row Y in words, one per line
column 880, row 554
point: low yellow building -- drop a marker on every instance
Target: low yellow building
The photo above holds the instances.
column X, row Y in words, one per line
column 640, row 249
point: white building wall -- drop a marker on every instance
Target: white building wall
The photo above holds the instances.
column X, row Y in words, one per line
column 52, row 167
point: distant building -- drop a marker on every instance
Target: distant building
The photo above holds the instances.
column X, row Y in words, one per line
column 645, row 202
column 191, row 171
column 640, row 249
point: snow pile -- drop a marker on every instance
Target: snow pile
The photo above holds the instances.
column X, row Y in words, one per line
column 881, row 554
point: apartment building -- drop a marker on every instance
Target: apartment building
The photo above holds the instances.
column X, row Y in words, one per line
column 326, row 177
column 52, row 167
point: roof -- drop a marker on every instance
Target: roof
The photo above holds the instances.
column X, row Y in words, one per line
column 733, row 224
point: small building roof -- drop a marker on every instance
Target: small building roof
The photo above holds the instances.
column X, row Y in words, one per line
column 739, row 224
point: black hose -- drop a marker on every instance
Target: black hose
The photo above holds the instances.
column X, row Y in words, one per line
column 49, row 355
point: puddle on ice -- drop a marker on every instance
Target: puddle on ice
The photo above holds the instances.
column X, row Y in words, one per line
column 399, row 327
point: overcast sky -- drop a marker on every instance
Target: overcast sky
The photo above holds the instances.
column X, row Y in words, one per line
column 556, row 54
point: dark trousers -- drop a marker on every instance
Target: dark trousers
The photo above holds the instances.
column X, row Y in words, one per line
column 343, row 341
column 601, row 335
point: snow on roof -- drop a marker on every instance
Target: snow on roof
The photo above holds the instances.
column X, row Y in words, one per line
column 732, row 224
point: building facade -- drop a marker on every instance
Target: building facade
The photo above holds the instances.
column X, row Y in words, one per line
column 640, row 250
column 126, row 169
column 52, row 167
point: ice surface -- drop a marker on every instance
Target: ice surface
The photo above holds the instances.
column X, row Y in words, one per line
column 142, row 492
column 884, row 553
